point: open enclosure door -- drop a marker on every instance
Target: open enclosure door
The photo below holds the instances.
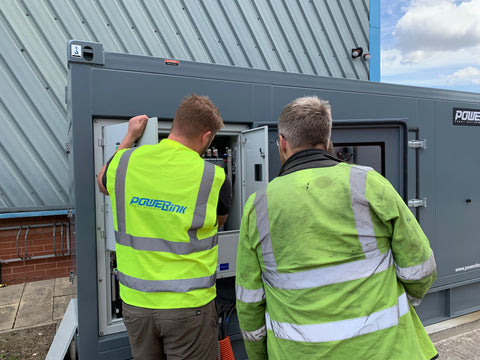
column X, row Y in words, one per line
column 110, row 134
column 112, row 137
column 254, row 160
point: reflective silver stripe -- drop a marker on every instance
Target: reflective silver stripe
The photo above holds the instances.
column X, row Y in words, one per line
column 417, row 272
column 255, row 335
column 153, row 244
column 179, row 286
column 120, row 188
column 340, row 330
column 249, row 296
column 414, row 300
column 361, row 213
column 263, row 225
column 200, row 212
column 329, row 275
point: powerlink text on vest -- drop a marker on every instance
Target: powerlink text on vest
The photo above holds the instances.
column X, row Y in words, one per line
column 160, row 204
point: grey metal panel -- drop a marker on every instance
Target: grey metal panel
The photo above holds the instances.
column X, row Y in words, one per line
column 311, row 37
column 429, row 109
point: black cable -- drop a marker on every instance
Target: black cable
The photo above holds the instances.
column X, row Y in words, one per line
column 230, row 310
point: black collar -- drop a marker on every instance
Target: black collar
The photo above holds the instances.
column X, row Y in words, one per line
column 308, row 159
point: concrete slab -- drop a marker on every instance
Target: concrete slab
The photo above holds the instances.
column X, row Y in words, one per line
column 460, row 347
column 63, row 286
column 7, row 316
column 33, row 313
column 453, row 327
column 38, row 289
column 11, row 294
column 60, row 304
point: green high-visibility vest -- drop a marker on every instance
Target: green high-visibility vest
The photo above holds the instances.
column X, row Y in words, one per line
column 164, row 200
column 329, row 263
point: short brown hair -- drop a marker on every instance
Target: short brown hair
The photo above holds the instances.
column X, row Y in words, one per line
column 306, row 121
column 195, row 115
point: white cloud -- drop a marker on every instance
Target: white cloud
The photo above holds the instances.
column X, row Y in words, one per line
column 468, row 75
column 393, row 60
column 432, row 43
column 431, row 28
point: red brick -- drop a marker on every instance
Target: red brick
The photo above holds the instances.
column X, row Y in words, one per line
column 51, row 260
column 45, row 242
column 39, row 242
column 64, row 263
column 45, row 266
column 5, row 253
column 8, row 243
column 9, row 233
column 6, row 270
column 8, row 279
column 34, row 237
column 24, row 268
column 33, row 249
column 57, row 272
column 37, row 261
column 29, row 277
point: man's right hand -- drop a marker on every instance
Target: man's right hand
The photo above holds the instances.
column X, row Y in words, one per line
column 136, row 126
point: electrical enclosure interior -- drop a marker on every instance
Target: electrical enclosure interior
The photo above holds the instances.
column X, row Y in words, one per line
column 240, row 151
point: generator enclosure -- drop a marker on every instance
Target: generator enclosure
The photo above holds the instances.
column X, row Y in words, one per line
column 424, row 141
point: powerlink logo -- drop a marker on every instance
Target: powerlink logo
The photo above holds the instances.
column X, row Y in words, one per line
column 466, row 117
column 158, row 204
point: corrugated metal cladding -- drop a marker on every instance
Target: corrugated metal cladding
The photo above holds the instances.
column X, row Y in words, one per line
column 312, row 37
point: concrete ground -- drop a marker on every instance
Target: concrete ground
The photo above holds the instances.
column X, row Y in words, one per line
column 34, row 303
column 44, row 302
column 457, row 338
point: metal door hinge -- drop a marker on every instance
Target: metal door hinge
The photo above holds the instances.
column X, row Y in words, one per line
column 414, row 203
column 417, row 144
column 100, row 142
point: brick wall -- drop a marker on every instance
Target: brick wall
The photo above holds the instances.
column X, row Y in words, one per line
column 40, row 243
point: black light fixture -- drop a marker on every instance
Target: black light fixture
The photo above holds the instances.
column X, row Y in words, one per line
column 357, row 52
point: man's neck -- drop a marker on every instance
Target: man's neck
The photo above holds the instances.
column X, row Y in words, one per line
column 290, row 152
column 188, row 142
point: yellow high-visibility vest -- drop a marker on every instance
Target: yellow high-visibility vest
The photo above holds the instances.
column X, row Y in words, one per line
column 329, row 263
column 164, row 200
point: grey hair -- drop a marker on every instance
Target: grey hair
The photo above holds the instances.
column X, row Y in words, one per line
column 306, row 121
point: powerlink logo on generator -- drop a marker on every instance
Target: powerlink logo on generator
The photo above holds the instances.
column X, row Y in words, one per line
column 162, row 205
column 466, row 117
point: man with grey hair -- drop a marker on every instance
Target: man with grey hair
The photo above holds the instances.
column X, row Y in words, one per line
column 330, row 260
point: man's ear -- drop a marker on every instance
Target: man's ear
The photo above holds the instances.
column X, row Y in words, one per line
column 282, row 143
column 207, row 138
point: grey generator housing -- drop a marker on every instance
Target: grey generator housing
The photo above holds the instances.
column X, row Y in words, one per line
column 425, row 141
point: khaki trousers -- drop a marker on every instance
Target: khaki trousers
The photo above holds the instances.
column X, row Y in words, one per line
column 172, row 334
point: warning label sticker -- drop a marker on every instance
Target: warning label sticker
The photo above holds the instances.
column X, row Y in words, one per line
column 466, row 117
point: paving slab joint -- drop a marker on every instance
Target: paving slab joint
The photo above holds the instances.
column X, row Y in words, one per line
column 454, row 327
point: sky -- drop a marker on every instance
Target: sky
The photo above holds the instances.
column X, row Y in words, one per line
column 431, row 43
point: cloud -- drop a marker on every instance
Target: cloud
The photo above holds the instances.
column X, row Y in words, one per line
column 431, row 28
column 393, row 61
column 466, row 76
column 432, row 43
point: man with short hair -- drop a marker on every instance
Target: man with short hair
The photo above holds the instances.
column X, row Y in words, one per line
column 168, row 204
column 330, row 259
